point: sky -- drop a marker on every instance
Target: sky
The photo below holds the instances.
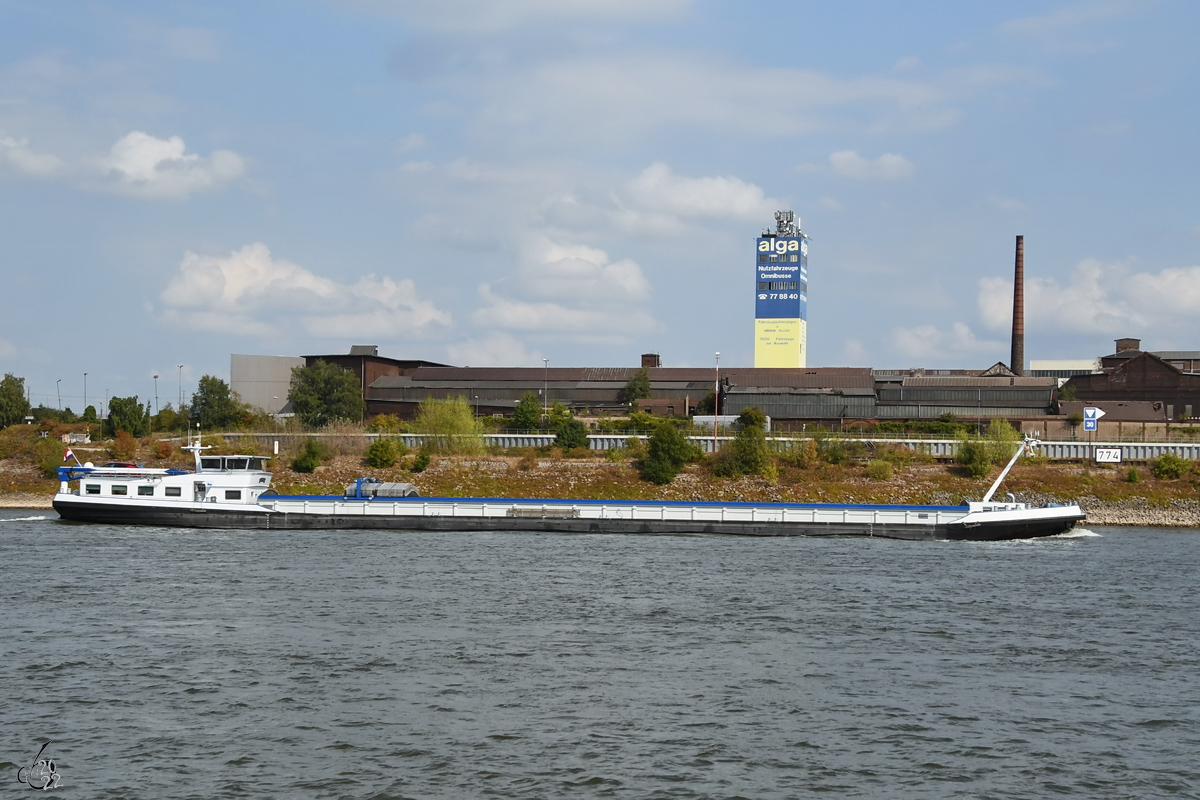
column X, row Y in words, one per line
column 479, row 183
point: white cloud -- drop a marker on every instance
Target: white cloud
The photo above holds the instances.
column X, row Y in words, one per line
column 18, row 153
column 570, row 290
column 549, row 269
column 931, row 343
column 611, row 325
column 194, row 44
column 1106, row 298
column 728, row 197
column 888, row 167
column 7, row 349
column 908, row 62
column 616, row 96
column 147, row 166
column 1069, row 17
column 1087, row 304
column 248, row 292
column 410, row 142
column 487, row 16
column 830, row 203
column 494, row 350
column 853, row 352
column 1005, row 203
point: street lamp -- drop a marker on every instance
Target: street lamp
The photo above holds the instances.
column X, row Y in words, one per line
column 85, row 392
column 476, row 406
column 179, row 408
column 58, row 389
column 716, row 400
column 546, row 389
column 156, row 394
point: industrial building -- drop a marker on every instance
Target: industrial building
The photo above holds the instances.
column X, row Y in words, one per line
column 1169, row 378
column 829, row 395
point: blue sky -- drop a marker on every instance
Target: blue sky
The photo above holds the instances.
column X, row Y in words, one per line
column 496, row 183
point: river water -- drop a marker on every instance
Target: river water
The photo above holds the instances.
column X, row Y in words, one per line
column 199, row 664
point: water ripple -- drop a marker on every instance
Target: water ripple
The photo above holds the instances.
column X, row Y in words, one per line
column 213, row 664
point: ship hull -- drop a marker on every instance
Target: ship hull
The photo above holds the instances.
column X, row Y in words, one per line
column 565, row 517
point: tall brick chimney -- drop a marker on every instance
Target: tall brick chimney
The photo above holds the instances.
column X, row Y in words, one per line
column 1016, row 361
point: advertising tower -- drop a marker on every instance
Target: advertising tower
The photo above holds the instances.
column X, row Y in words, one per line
column 781, row 294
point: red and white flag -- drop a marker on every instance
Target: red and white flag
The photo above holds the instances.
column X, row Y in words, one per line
column 67, row 456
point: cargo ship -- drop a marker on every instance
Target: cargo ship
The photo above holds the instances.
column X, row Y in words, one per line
column 233, row 492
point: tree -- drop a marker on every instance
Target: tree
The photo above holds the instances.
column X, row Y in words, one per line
column 1003, row 439
column 13, row 405
column 213, row 405
column 89, row 414
column 450, row 425
column 167, row 419
column 667, row 452
column 558, row 414
column 325, row 393
column 528, row 414
column 637, row 388
column 1075, row 419
column 127, row 414
column 750, row 443
column 571, row 434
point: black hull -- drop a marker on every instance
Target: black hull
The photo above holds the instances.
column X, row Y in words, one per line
column 231, row 519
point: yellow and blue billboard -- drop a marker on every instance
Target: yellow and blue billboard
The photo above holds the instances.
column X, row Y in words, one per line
column 781, row 301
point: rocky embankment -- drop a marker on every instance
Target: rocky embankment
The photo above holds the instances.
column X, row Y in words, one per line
column 1140, row 512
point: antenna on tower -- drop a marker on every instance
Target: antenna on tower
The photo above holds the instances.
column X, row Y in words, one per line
column 787, row 224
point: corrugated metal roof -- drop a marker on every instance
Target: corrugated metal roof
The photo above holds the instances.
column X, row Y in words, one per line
column 982, row 382
column 1178, row 355
column 783, row 391
column 1119, row 411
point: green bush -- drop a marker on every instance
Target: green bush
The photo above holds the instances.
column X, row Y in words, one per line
column 384, row 453
column 667, row 452
column 1003, row 440
column 124, row 446
column 310, row 456
column 1170, row 467
column 571, row 434
column 975, row 456
column 450, row 425
column 833, row 451
column 750, row 443
column 421, row 462
column 49, row 454
column 803, row 455
column 879, row 470
column 1133, row 476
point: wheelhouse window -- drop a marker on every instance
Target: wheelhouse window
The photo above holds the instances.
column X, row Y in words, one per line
column 144, row 491
column 93, row 488
column 256, row 463
column 120, row 489
column 173, row 491
column 233, row 494
column 210, row 463
column 235, row 463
